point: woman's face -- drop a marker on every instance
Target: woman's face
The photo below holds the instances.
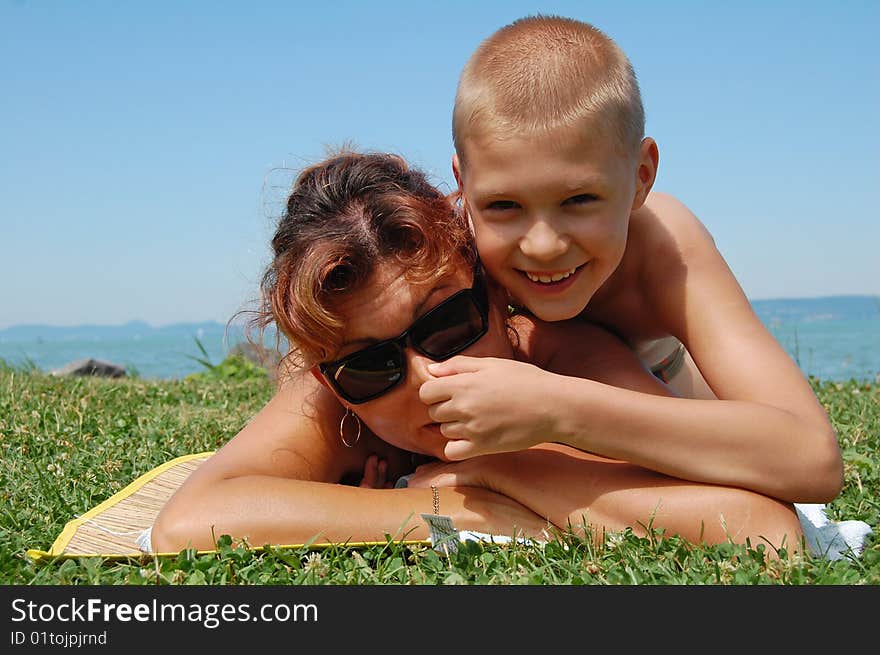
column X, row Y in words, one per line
column 383, row 309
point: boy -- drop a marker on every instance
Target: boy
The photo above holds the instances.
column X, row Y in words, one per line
column 555, row 174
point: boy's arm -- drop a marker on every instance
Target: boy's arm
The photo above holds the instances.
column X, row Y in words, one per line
column 768, row 416
column 767, row 431
column 277, row 482
column 594, row 395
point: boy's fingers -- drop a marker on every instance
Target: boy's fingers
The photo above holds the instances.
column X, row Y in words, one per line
column 458, row 364
column 453, row 430
column 443, row 413
column 434, row 391
column 459, row 449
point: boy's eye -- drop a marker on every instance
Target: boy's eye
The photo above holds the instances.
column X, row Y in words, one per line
column 501, row 205
column 580, row 199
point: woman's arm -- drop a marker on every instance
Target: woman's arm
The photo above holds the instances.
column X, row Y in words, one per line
column 591, row 494
column 289, row 512
column 277, row 482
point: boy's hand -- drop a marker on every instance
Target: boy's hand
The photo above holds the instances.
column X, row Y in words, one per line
column 488, row 405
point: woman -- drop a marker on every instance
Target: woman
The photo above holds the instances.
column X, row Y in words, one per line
column 374, row 277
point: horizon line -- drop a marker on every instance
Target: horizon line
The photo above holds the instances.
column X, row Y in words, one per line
column 230, row 323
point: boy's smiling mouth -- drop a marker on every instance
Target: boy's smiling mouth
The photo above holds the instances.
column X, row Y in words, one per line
column 552, row 278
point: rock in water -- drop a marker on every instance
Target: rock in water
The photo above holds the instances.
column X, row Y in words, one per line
column 96, row 367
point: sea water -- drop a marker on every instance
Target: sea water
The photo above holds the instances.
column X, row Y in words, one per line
column 160, row 356
column 836, row 338
column 831, row 338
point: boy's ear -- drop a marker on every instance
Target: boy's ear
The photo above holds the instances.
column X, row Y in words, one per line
column 646, row 170
column 456, row 170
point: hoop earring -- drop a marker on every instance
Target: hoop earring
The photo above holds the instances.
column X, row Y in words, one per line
column 348, row 413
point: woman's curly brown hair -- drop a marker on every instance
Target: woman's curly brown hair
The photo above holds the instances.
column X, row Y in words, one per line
column 345, row 216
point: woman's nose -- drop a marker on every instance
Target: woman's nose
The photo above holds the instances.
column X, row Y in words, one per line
column 417, row 365
column 543, row 242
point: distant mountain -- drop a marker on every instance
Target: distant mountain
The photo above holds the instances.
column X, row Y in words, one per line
column 770, row 311
column 125, row 331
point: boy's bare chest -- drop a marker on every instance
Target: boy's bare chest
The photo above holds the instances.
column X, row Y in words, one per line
column 626, row 312
column 623, row 304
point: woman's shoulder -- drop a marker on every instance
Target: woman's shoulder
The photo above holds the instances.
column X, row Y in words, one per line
column 294, row 435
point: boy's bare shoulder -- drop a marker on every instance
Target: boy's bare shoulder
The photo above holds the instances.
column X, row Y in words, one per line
column 666, row 239
column 664, row 221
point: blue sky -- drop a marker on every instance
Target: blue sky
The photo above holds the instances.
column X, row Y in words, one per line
column 146, row 146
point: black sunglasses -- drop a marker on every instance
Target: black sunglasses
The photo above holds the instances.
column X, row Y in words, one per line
column 450, row 327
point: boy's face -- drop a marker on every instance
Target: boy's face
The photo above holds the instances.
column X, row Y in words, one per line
column 551, row 213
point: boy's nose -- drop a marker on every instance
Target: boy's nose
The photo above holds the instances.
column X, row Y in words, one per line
column 543, row 242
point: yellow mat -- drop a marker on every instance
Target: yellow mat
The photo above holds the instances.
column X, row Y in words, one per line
column 111, row 529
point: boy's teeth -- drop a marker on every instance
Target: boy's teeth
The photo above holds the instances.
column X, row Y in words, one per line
column 546, row 278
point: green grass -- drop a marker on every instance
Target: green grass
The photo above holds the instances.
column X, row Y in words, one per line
column 68, row 444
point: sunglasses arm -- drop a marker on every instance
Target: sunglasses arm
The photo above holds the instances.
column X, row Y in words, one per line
column 319, row 376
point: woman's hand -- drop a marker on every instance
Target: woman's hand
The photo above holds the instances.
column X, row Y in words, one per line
column 501, row 473
column 487, row 511
column 488, row 405
column 475, row 472
column 375, row 473
column 488, row 507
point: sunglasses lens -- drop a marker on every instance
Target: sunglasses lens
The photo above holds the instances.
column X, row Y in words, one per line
column 370, row 372
column 446, row 330
column 449, row 328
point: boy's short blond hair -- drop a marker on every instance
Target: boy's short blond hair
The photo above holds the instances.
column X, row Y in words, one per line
column 540, row 73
